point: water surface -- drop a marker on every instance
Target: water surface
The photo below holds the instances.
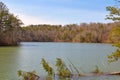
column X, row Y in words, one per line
column 28, row 55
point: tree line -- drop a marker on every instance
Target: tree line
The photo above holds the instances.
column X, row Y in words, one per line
column 11, row 32
column 87, row 33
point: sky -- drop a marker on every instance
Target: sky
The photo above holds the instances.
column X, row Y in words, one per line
column 58, row 12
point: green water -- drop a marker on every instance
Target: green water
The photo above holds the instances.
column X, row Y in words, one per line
column 84, row 56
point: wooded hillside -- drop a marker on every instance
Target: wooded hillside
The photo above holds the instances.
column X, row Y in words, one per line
column 89, row 33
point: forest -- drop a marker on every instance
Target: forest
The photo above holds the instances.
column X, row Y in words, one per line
column 12, row 31
column 84, row 33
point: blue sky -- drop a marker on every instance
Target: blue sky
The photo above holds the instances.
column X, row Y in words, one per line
column 59, row 11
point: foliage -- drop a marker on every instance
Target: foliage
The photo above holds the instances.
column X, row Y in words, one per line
column 9, row 26
column 114, row 14
column 90, row 33
column 62, row 71
column 114, row 35
column 46, row 67
column 27, row 75
column 115, row 55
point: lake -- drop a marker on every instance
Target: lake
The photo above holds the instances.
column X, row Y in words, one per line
column 85, row 56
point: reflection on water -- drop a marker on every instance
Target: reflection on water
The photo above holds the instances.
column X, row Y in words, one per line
column 8, row 63
column 27, row 57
